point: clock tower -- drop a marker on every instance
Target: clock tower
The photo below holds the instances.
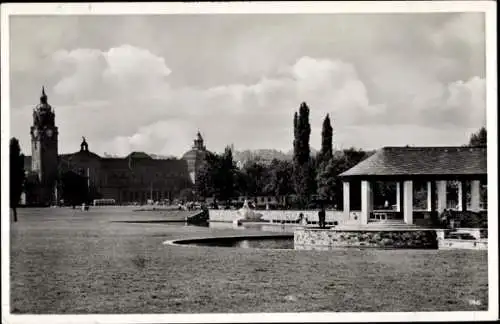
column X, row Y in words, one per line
column 44, row 161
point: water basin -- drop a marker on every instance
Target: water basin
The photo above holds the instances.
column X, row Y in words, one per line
column 248, row 242
column 264, row 227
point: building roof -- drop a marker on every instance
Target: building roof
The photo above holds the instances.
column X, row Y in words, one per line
column 399, row 161
column 139, row 155
column 194, row 154
column 79, row 154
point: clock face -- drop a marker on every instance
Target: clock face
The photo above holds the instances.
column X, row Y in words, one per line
column 49, row 132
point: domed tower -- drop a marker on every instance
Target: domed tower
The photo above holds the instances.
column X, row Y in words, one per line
column 44, row 161
column 195, row 157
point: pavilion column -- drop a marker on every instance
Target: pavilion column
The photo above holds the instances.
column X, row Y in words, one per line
column 429, row 195
column 441, row 191
column 464, row 195
column 347, row 198
column 408, row 201
column 461, row 195
column 366, row 201
column 398, row 196
column 475, row 196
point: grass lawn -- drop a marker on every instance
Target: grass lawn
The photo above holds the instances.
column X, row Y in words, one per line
column 66, row 261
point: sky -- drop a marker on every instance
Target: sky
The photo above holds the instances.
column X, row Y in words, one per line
column 149, row 83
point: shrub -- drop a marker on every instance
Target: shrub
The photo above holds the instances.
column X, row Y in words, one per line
column 466, row 219
column 471, row 219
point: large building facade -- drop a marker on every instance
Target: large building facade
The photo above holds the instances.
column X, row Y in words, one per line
column 137, row 177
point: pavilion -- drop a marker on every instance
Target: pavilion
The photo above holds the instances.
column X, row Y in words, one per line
column 406, row 165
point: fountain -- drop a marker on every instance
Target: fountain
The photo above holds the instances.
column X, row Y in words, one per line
column 245, row 213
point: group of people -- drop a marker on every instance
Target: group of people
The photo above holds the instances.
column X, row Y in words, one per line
column 321, row 218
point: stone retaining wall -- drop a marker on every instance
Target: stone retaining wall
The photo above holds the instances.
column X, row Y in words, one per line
column 453, row 244
column 478, row 233
column 324, row 239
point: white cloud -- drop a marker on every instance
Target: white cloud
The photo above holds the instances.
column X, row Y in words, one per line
column 158, row 138
column 124, row 98
column 460, row 29
column 80, row 71
column 468, row 99
column 118, row 72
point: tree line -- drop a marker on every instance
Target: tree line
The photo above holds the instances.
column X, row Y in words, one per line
column 306, row 178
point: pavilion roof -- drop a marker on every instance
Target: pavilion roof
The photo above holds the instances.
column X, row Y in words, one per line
column 404, row 161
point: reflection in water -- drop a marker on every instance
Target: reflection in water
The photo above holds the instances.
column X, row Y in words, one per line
column 249, row 243
column 259, row 227
column 224, row 225
column 267, row 243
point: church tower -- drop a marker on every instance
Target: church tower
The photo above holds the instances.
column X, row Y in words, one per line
column 44, row 160
column 195, row 157
column 198, row 143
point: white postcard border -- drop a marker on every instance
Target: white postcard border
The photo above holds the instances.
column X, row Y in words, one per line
column 488, row 7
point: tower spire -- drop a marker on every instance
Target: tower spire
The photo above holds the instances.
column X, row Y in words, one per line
column 43, row 98
column 84, row 147
column 198, row 142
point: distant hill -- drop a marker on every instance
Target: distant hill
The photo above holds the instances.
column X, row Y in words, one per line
column 163, row 157
column 313, row 152
column 265, row 155
column 262, row 154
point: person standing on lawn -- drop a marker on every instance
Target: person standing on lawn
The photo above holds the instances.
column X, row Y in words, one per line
column 322, row 216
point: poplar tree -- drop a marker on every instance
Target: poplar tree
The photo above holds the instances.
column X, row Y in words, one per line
column 326, row 140
column 303, row 135
column 295, row 137
column 326, row 168
column 302, row 168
